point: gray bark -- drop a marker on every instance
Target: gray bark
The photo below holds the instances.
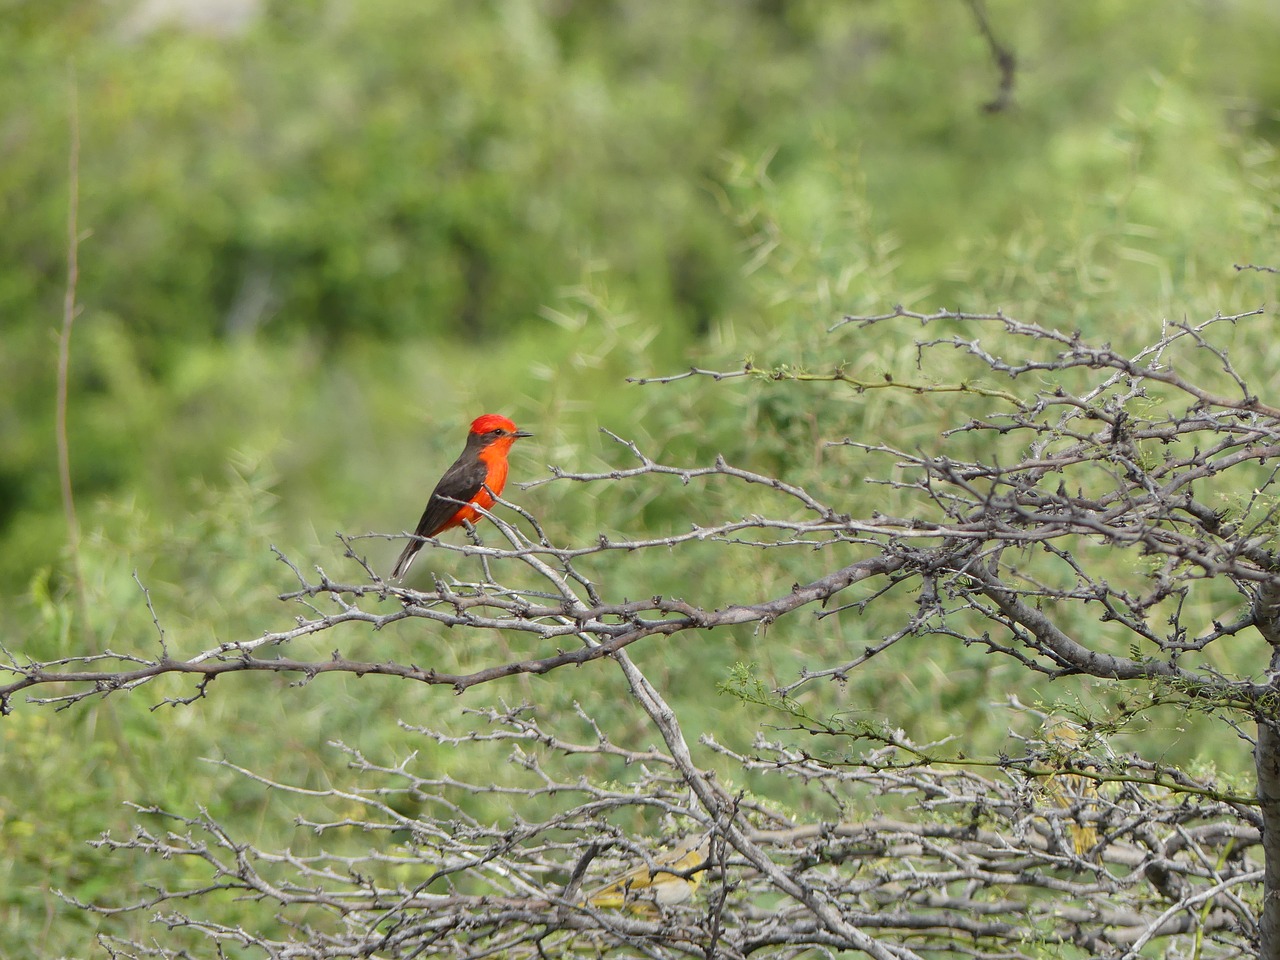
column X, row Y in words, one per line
column 1266, row 755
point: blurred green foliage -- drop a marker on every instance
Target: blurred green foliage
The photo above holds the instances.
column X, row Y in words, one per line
column 317, row 246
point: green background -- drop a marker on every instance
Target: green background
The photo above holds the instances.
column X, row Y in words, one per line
column 318, row 243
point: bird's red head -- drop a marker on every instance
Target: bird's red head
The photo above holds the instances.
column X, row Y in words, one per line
column 496, row 432
column 490, row 422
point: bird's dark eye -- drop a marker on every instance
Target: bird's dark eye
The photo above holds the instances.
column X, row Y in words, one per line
column 495, row 433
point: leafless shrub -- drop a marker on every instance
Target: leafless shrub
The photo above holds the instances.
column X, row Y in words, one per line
column 1163, row 457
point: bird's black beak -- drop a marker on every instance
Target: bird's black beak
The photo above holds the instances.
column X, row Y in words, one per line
column 522, row 433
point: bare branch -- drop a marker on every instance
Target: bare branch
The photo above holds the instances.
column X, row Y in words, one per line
column 1103, row 514
column 979, row 857
column 69, row 313
column 1004, row 59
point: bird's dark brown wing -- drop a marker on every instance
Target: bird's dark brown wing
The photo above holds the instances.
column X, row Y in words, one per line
column 460, row 483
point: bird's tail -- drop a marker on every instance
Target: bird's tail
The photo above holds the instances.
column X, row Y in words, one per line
column 406, row 559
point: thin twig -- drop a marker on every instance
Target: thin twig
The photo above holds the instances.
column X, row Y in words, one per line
column 69, row 311
column 1006, row 62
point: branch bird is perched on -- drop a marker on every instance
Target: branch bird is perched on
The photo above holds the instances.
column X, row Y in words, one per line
column 469, row 486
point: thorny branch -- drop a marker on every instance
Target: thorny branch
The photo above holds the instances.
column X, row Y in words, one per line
column 1119, row 464
column 897, row 859
column 1162, row 457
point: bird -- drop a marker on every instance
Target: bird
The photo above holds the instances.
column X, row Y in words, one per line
column 468, row 487
column 638, row 890
column 1070, row 791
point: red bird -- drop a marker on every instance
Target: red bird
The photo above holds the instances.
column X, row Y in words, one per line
column 475, row 478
